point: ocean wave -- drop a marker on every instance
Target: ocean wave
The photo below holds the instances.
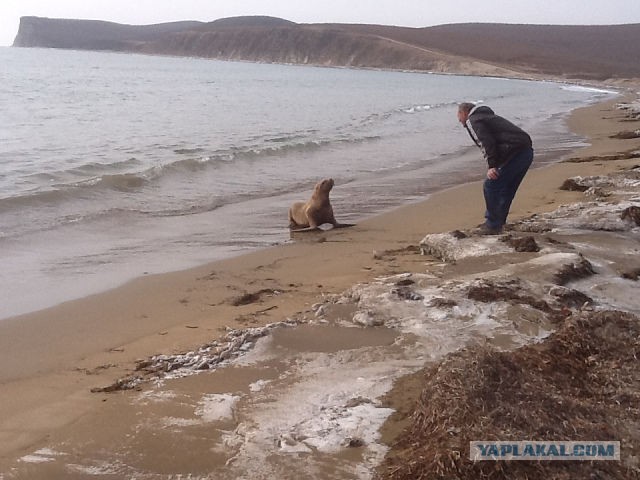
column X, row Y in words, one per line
column 269, row 147
column 213, row 203
column 188, row 151
column 15, row 226
column 85, row 215
column 62, row 192
column 417, row 108
column 584, row 88
column 31, row 199
column 425, row 107
column 65, row 186
column 79, row 212
column 306, row 145
column 92, row 168
column 121, row 182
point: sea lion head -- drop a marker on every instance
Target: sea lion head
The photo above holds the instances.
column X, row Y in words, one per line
column 325, row 185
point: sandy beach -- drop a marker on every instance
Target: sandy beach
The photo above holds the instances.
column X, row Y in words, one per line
column 53, row 359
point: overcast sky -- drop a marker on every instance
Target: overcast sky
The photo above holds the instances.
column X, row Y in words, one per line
column 411, row 13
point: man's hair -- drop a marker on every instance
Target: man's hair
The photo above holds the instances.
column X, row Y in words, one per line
column 466, row 107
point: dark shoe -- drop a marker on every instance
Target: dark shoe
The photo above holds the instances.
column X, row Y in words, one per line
column 485, row 230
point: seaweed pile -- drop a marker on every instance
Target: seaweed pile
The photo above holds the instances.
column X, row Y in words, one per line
column 582, row 383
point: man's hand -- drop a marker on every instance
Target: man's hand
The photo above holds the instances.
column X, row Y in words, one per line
column 492, row 173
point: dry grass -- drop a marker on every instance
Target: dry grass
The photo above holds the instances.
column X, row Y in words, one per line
column 582, row 383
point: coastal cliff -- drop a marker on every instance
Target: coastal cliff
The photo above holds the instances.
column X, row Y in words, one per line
column 586, row 52
column 90, row 34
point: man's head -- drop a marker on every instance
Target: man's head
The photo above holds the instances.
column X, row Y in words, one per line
column 463, row 111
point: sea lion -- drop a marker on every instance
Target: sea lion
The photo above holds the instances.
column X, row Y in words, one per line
column 308, row 216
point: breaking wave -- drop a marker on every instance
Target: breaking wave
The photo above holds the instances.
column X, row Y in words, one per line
column 65, row 186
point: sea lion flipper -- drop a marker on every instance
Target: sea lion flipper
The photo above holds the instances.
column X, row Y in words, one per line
column 343, row 225
column 307, row 229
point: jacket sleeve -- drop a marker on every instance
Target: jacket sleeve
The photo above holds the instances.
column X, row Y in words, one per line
column 486, row 141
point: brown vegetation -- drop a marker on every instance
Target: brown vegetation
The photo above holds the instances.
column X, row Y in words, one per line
column 580, row 384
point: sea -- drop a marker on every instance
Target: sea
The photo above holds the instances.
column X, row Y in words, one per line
column 114, row 166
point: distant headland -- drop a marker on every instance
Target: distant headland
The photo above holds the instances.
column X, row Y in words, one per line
column 593, row 52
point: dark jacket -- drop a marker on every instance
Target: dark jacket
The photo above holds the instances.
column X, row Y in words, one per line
column 498, row 138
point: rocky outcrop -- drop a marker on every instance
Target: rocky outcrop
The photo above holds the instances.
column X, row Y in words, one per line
column 596, row 52
column 91, row 34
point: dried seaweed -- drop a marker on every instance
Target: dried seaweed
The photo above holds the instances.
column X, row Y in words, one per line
column 631, row 213
column 582, row 383
column 631, row 274
column 406, row 293
column 252, row 297
column 626, row 135
column 574, row 271
column 458, row 234
column 521, row 244
column 571, row 185
column 605, row 158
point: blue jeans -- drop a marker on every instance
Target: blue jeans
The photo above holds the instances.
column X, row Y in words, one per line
column 499, row 193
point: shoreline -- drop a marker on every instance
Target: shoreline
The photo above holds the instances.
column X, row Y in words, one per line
column 114, row 237
column 559, row 145
column 177, row 311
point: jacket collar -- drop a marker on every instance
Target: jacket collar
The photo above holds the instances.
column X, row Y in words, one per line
column 474, row 109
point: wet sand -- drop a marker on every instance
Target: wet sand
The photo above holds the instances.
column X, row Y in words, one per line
column 52, row 359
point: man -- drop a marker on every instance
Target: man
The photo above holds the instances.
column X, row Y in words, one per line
column 508, row 151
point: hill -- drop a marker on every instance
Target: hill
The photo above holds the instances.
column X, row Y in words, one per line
column 582, row 52
column 598, row 51
column 91, row 34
